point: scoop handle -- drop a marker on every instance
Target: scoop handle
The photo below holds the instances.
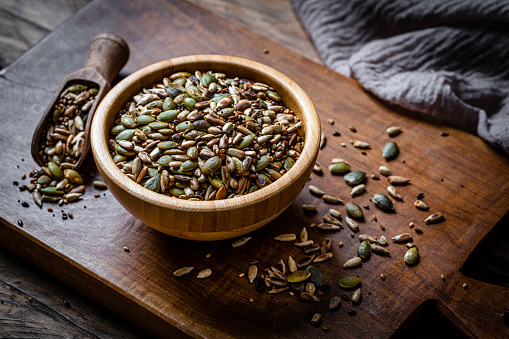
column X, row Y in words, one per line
column 108, row 53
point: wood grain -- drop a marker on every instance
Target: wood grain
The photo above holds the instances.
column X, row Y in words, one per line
column 87, row 253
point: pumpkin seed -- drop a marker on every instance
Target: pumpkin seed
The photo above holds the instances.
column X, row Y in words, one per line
column 211, row 165
column 434, row 218
column 356, row 261
column 357, row 190
column 289, row 162
column 324, row 289
column 168, row 115
column 384, row 170
column 286, row 237
column 183, row 271
column 390, row 150
column 44, row 179
column 51, row 190
column 352, row 224
column 411, row 256
column 55, row 170
column 154, row 183
column 298, row 276
column 334, row 303
column 398, row 180
column 394, row 193
column 349, row 282
column 354, row 210
column 204, row 274
column 241, row 241
column 354, row 178
column 73, row 176
column 340, row 167
column 393, row 130
column 364, row 250
column 421, row 205
column 356, row 296
column 299, row 287
column 383, row 202
column 316, row 276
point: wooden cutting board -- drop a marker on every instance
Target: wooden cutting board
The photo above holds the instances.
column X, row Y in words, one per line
column 459, row 175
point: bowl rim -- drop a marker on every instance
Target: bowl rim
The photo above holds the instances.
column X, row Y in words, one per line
column 102, row 157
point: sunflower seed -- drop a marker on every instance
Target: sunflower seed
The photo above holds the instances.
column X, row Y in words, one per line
column 277, row 281
column 315, row 190
column 380, row 250
column 353, row 262
column 303, row 234
column 311, row 249
column 382, row 240
column 292, row 265
column 384, row 170
column 335, row 213
column 286, row 237
column 434, row 218
column 404, row 237
column 352, row 224
column 37, row 198
column 332, row 220
column 393, row 130
column 305, row 261
column 368, row 238
column 204, row 274
column 334, row 303
column 252, row 273
column 317, row 169
column 315, row 320
column 325, row 245
column 276, row 290
column 278, row 273
column 331, row 199
column 182, row 271
column 282, row 266
column 361, row 144
column 357, row 190
column 241, row 241
column 323, row 257
column 328, row 227
column 323, row 140
column 356, row 296
column 398, row 180
column 324, row 289
column 310, row 288
column 394, row 193
column 308, row 297
column 304, row 243
column 421, row 205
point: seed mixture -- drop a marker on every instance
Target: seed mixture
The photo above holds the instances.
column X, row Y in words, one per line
column 61, row 145
column 206, row 136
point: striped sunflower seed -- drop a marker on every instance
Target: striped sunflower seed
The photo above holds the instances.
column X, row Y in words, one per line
column 183, row 271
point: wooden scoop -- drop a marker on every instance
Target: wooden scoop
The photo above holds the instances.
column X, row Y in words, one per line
column 107, row 54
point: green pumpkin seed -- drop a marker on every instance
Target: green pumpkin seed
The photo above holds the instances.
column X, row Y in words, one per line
column 262, row 180
column 226, row 112
column 128, row 122
column 298, row 276
column 178, row 75
column 340, row 167
column 192, row 152
column 126, row 134
column 316, row 276
column 119, row 158
column 165, row 160
column 176, row 191
column 77, row 88
column 184, row 126
column 169, row 104
column 246, row 141
column 299, row 287
column 211, row 165
column 189, row 103
column 165, row 131
column 215, row 181
column 349, row 282
column 354, row 178
column 411, row 256
column 55, row 170
column 262, row 162
column 177, row 170
column 73, row 176
column 289, row 162
column 194, row 92
column 44, row 179
column 189, row 165
column 168, row 116
column 145, row 119
column 154, row 183
column 51, row 190
column 390, row 150
column 207, row 79
column 179, row 100
column 364, row 250
column 158, row 125
column 383, row 202
column 117, row 129
column 155, row 104
column 273, row 95
column 354, row 210
column 123, row 151
column 164, row 145
column 57, row 114
column 253, row 188
column 152, row 172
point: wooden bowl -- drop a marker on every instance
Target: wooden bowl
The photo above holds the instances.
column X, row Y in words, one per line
column 206, row 220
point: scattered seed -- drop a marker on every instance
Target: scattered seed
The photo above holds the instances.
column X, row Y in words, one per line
column 383, row 202
column 317, row 169
column 352, row 313
column 420, row 196
column 434, row 218
column 356, row 261
column 349, row 282
column 323, row 257
column 354, row 210
column 323, row 140
column 410, row 244
column 343, row 144
column 310, row 288
column 312, row 225
column 204, row 274
column 421, row 205
column 336, row 133
column 305, row 261
column 339, row 167
column 126, row 249
column 286, row 237
column 340, row 244
column 183, row 271
column 442, row 277
column 304, row 243
column 325, row 245
column 357, row 190
column 361, row 144
column 354, row 178
column 465, row 285
column 364, row 250
column 328, row 227
column 316, row 276
column 382, row 240
column 25, row 204
column 398, row 180
column 411, row 224
column 330, row 121
column 394, row 193
column 277, row 290
column 390, row 150
column 308, row 297
column 352, row 128
column 308, row 207
column 382, row 227
column 99, row 184
column 404, row 237
column 331, row 220
column 316, row 319
column 303, row 234
column 241, row 241
column 252, row 273
column 382, row 276
column 393, row 130
column 352, row 224
column 242, row 274
column 418, row 230
column 335, row 213
column 384, row 170
column 315, row 190
column 345, row 297
column 331, row 199
column 20, row 223
column 380, row 250
column 311, row 249
column 411, row 256
column 292, row 265
column 368, row 238
column 324, row 289
column 356, row 296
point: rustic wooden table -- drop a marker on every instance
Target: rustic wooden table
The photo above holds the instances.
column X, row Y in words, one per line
column 21, row 281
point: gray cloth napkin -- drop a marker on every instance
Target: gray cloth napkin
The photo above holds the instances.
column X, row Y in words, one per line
column 448, row 58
